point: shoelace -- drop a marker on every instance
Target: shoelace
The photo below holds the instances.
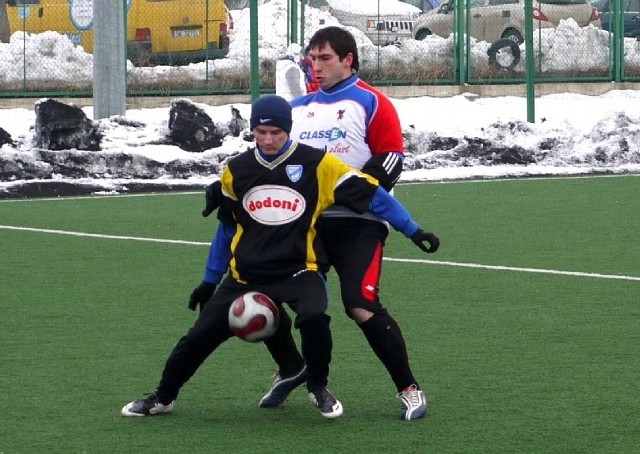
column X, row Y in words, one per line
column 411, row 397
column 150, row 397
column 324, row 396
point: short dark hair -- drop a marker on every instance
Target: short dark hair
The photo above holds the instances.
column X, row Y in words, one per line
column 340, row 40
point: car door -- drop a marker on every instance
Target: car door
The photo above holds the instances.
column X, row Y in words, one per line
column 479, row 15
column 37, row 16
column 490, row 18
column 503, row 17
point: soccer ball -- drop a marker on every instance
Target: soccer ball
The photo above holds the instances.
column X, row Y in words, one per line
column 253, row 317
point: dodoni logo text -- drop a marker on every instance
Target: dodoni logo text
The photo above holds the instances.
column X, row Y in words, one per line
column 273, row 205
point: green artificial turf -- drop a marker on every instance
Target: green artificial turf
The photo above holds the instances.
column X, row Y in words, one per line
column 515, row 353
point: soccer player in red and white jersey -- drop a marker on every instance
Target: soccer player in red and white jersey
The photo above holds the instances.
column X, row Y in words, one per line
column 357, row 123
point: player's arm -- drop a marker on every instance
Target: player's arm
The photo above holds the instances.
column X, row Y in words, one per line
column 220, row 249
column 384, row 137
column 213, row 198
column 388, row 208
column 219, row 253
column 216, row 266
column 360, row 195
column 385, row 167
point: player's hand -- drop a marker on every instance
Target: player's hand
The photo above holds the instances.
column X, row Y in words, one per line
column 213, row 198
column 201, row 295
column 421, row 236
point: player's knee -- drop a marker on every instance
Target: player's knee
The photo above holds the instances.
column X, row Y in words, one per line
column 206, row 339
column 359, row 314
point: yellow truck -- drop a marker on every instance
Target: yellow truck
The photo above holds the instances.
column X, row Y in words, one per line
column 159, row 32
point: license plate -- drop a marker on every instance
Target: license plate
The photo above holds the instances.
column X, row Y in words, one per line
column 186, row 33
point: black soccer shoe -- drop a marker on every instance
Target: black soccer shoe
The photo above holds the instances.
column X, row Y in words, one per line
column 281, row 387
column 148, row 406
column 324, row 400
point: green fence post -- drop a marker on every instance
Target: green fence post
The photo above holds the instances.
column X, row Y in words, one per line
column 459, row 43
column 302, row 7
column 378, row 67
column 618, row 39
column 126, row 45
column 529, row 63
column 207, row 22
column 253, row 50
column 294, row 22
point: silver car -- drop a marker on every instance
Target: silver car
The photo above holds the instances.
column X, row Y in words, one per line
column 384, row 22
column 491, row 20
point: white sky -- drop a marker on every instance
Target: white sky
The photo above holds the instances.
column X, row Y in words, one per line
column 582, row 128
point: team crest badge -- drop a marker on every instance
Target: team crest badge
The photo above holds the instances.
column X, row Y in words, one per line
column 294, row 172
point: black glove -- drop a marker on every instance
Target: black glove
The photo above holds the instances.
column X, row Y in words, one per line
column 201, row 295
column 213, row 196
column 421, row 236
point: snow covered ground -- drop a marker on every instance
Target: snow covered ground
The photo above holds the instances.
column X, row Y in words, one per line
column 445, row 138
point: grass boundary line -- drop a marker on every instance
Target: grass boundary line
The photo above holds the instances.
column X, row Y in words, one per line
column 102, row 235
column 389, row 259
column 518, row 269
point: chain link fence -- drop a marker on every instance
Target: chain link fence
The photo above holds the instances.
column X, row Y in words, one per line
column 200, row 47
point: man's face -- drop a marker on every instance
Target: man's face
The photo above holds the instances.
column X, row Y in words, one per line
column 328, row 68
column 270, row 139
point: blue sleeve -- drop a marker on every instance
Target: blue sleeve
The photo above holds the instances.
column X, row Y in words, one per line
column 386, row 207
column 219, row 253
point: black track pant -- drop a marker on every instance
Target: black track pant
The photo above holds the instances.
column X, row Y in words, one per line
column 306, row 295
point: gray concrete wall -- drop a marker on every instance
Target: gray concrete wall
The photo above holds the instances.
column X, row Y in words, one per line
column 439, row 91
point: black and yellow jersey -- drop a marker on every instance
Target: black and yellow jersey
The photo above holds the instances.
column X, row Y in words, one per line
column 276, row 205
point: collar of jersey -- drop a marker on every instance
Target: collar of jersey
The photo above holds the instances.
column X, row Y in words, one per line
column 274, row 160
column 352, row 79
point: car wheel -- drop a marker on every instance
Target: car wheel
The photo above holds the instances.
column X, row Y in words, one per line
column 514, row 35
column 504, row 53
column 422, row 33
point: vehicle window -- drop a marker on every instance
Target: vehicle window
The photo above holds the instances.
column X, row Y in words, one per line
column 424, row 5
column 22, row 2
column 602, row 5
column 502, row 2
column 476, row 3
column 564, row 2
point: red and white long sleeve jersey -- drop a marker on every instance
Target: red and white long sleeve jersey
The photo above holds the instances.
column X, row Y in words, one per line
column 352, row 120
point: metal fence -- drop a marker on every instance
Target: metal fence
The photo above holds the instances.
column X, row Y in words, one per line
column 196, row 47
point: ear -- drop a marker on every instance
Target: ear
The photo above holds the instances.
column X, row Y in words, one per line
column 348, row 60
